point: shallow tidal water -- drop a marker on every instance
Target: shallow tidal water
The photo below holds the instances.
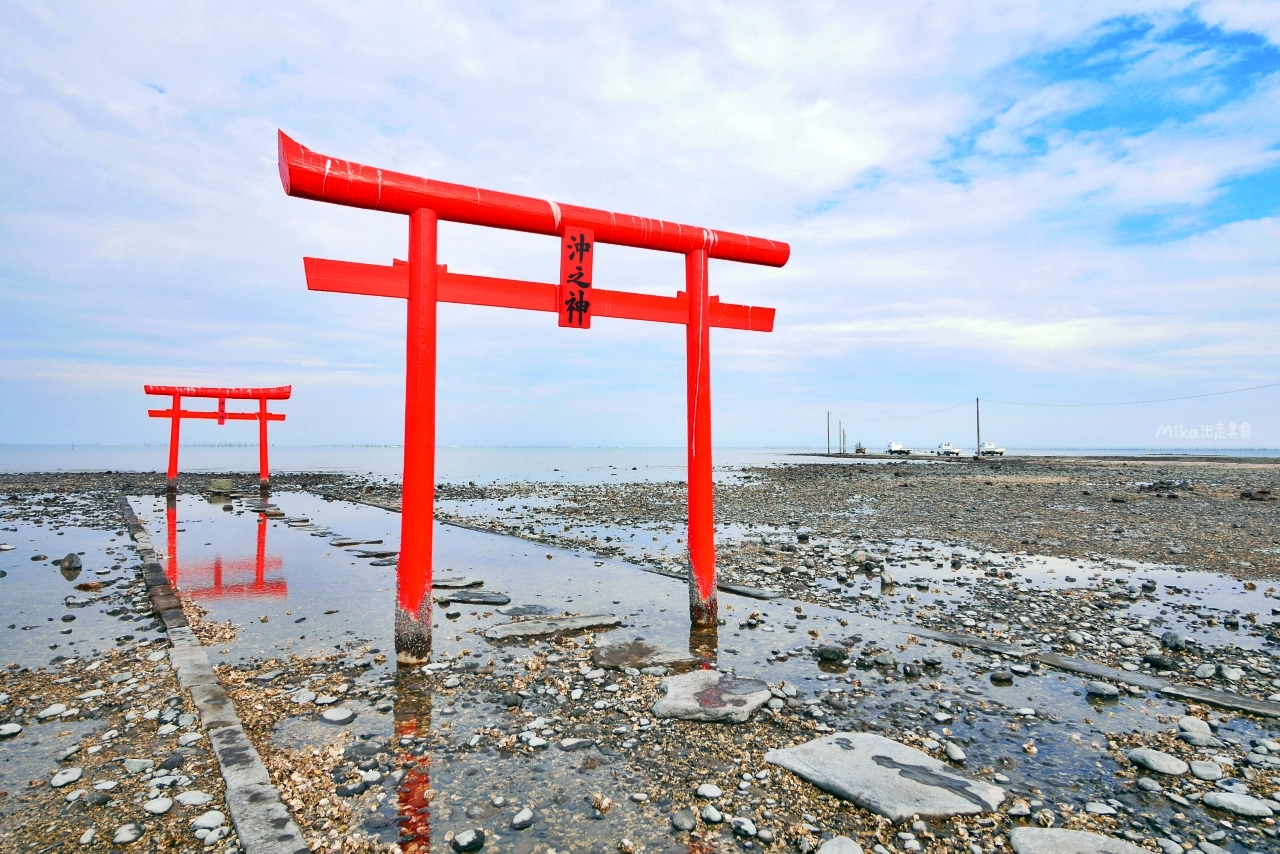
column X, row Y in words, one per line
column 288, row 590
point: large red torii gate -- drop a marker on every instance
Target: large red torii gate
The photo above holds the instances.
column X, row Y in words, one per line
column 310, row 175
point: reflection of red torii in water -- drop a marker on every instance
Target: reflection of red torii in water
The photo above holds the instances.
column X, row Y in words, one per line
column 218, row 586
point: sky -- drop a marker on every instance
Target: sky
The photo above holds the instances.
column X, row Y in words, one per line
column 1027, row 203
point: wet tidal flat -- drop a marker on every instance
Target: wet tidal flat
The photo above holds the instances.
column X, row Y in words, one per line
column 99, row 746
column 940, row 653
column 563, row 725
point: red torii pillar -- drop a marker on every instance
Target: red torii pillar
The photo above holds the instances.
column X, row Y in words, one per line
column 222, row 395
column 309, row 175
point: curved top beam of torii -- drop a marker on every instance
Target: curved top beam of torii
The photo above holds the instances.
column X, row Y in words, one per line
column 310, row 175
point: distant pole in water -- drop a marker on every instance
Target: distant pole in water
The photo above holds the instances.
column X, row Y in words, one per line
column 828, row 432
column 977, row 414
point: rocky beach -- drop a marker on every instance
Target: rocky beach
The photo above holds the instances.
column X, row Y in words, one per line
column 1026, row 654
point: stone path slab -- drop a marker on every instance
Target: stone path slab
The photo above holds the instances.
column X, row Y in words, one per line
column 749, row 592
column 534, row 628
column 887, row 778
column 474, row 597
column 710, row 696
column 455, row 583
column 1041, row 840
column 263, row 823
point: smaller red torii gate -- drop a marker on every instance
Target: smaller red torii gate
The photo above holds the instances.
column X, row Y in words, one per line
column 176, row 413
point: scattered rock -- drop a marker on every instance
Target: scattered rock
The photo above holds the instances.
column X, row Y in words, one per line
column 338, row 716
column 1155, row 760
column 471, row 839
column 66, row 777
column 1204, row 770
column 522, row 819
column 9, row 730
column 158, row 806
column 127, row 833
column 684, row 820
column 1103, row 690
column 575, row 743
column 51, row 712
column 1237, row 803
column 832, row 652
column 209, row 820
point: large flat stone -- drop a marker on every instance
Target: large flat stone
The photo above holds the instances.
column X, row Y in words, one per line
column 887, row 778
column 552, row 626
column 708, row 695
column 1042, row 840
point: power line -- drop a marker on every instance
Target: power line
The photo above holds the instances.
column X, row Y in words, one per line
column 920, row 415
column 1136, row 402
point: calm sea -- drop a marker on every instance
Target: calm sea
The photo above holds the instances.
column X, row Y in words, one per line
column 453, row 465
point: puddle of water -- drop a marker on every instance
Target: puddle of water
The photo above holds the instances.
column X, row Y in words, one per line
column 42, row 613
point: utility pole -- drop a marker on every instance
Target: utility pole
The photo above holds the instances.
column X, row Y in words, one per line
column 977, row 414
column 828, row 432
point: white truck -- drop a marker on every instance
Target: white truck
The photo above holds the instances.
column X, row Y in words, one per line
column 989, row 449
column 946, row 449
column 896, row 449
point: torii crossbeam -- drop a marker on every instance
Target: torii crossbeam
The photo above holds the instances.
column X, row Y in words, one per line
column 423, row 283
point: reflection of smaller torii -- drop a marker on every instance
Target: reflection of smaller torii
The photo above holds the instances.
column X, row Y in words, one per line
column 217, row 589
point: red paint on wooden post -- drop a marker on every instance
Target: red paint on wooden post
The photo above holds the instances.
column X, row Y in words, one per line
column 703, row 606
column 576, row 261
column 172, row 476
column 417, row 503
column 264, row 471
column 310, row 175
